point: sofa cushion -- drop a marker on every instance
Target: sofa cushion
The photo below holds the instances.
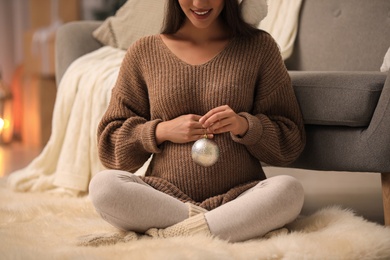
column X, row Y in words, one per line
column 136, row 18
column 339, row 35
column 338, row 98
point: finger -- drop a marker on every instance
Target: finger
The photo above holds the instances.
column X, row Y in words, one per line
column 215, row 127
column 211, row 113
column 208, row 136
column 202, row 133
column 196, row 125
column 216, row 119
column 194, row 118
column 222, row 129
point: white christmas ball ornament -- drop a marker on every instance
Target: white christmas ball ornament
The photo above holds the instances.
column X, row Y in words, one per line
column 205, row 152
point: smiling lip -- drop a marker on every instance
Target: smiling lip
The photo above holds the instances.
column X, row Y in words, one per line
column 201, row 13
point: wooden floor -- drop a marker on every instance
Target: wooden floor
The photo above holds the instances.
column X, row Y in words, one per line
column 16, row 156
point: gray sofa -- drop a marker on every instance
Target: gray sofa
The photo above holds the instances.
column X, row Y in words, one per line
column 344, row 97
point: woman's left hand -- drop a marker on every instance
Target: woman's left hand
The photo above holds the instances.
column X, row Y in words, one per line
column 223, row 119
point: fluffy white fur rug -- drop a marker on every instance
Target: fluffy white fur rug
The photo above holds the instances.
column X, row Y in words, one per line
column 45, row 226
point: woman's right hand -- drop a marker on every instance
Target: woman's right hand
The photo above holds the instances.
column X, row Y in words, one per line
column 183, row 129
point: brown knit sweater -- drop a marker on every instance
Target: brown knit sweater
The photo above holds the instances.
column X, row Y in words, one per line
column 154, row 85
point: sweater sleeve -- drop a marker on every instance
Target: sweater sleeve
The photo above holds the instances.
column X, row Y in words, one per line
column 126, row 135
column 276, row 133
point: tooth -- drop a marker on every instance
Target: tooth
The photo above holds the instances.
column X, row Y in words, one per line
column 201, row 13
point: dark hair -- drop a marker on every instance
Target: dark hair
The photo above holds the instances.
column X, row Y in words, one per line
column 231, row 16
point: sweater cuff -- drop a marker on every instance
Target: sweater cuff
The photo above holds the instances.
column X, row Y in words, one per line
column 197, row 225
column 254, row 133
column 148, row 136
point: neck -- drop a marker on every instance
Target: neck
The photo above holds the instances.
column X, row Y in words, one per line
column 218, row 31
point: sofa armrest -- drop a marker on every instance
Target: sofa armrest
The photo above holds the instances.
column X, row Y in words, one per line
column 338, row 98
column 345, row 148
column 73, row 40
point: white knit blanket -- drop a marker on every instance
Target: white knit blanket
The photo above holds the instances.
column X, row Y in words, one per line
column 386, row 62
column 282, row 23
column 70, row 158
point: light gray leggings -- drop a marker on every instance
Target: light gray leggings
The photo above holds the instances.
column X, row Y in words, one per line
column 128, row 203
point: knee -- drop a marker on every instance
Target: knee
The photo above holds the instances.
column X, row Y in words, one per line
column 100, row 182
column 292, row 185
column 100, row 185
column 103, row 186
column 293, row 193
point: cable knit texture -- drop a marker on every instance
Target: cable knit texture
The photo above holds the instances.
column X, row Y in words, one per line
column 154, row 85
column 191, row 226
column 194, row 210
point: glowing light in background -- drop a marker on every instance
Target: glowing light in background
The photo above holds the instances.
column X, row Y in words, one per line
column 2, row 125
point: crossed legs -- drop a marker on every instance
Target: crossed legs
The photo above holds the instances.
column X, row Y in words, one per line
column 128, row 203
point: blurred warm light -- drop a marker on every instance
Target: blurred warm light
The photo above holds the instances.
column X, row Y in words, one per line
column 6, row 123
column 2, row 124
column 5, row 131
